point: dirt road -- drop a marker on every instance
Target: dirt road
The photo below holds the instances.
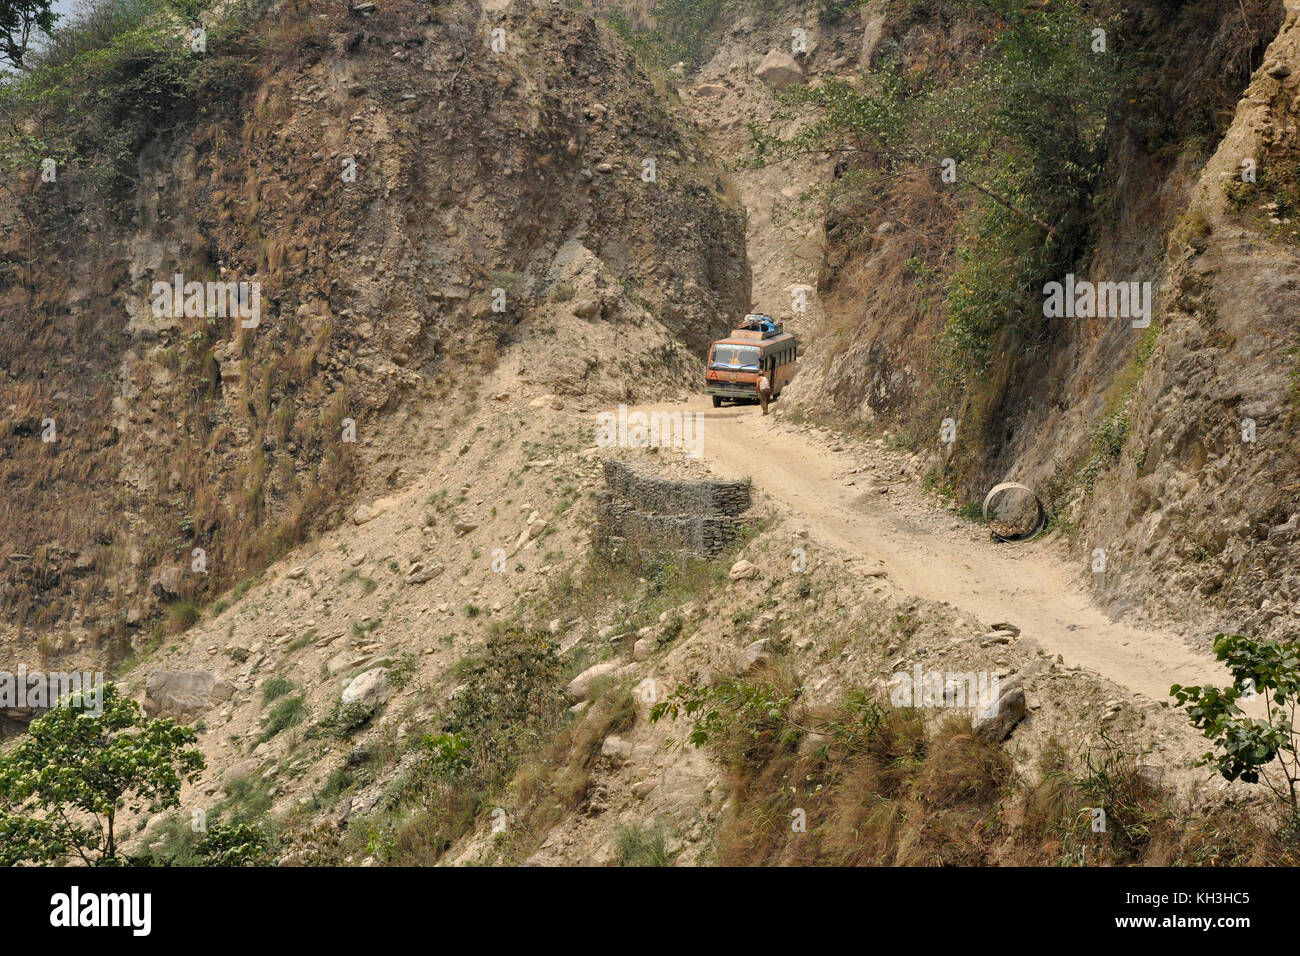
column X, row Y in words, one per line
column 933, row 555
column 926, row 552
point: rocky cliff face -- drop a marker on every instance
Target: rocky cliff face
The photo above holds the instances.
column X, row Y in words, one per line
column 1134, row 435
column 1204, row 499
column 408, row 201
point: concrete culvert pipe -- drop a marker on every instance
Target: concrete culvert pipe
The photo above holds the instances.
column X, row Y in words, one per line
column 1013, row 512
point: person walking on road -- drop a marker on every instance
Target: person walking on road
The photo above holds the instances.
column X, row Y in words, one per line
column 764, row 390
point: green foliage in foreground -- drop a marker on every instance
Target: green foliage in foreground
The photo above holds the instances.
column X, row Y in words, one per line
column 64, row 784
column 1251, row 748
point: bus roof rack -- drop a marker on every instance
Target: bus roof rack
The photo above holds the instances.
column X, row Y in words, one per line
column 763, row 324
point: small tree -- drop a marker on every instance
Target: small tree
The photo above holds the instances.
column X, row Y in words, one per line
column 1244, row 745
column 18, row 18
column 63, row 785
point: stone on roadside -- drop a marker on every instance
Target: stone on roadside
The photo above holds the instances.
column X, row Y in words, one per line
column 742, row 570
column 369, row 689
column 780, row 70
column 996, row 721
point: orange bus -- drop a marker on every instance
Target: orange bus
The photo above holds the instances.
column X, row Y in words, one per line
column 759, row 346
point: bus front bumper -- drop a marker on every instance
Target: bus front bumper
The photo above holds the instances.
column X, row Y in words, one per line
column 732, row 390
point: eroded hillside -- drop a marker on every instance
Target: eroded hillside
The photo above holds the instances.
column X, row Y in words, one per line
column 408, row 201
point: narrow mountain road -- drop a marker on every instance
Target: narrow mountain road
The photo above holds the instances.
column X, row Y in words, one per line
column 926, row 552
column 931, row 554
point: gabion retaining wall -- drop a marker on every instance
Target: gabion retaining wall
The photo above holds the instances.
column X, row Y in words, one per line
column 698, row 517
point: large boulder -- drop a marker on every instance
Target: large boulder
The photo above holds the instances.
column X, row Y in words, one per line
column 422, row 573
column 742, row 571
column 183, row 694
column 369, row 689
column 780, row 70
column 166, row 583
column 996, row 721
column 760, row 652
column 579, row 688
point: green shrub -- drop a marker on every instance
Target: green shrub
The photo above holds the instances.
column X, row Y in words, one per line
column 221, row 844
column 679, row 33
column 835, row 11
column 1023, row 115
column 289, row 712
column 183, row 614
column 114, row 77
column 402, row 670
column 274, row 687
column 345, row 719
column 235, row 844
column 448, row 754
column 641, row 845
column 511, row 704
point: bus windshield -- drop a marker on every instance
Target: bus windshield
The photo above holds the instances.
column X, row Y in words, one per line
column 736, row 357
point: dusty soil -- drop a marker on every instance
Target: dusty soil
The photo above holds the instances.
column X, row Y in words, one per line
column 856, row 496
